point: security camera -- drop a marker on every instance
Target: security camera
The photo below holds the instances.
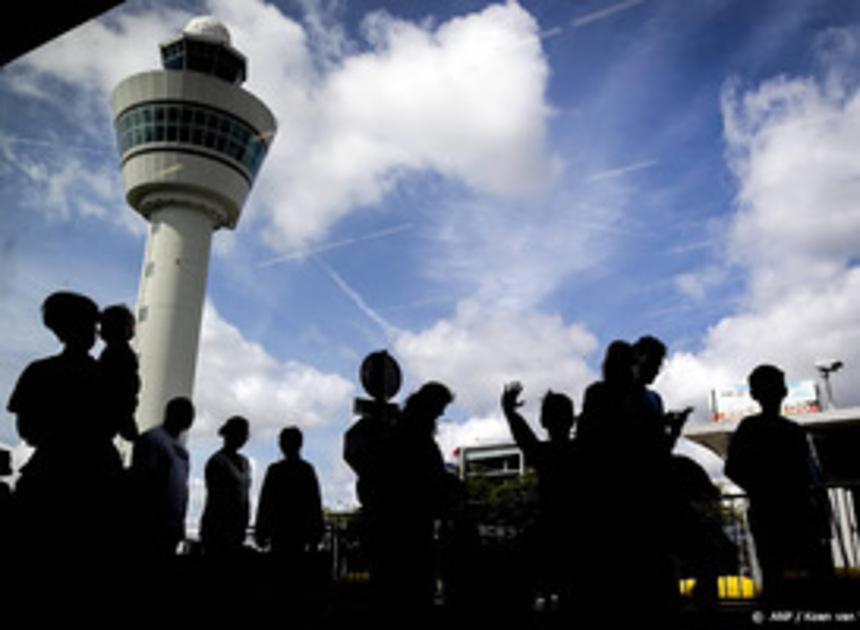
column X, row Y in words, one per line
column 827, row 366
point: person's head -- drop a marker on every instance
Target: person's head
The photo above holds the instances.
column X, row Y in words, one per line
column 116, row 324
column 424, row 406
column 649, row 355
column 618, row 363
column 72, row 318
column 178, row 415
column 557, row 415
column 235, row 432
column 290, row 441
column 767, row 387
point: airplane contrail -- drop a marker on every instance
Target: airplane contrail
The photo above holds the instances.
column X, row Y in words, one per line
column 326, row 247
column 617, row 172
column 604, row 13
column 391, row 331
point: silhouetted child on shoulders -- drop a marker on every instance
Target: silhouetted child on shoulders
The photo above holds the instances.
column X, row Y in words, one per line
column 770, row 458
column 119, row 367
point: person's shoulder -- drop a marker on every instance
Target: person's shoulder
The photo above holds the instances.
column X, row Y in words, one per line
column 41, row 367
column 155, row 435
column 306, row 466
column 752, row 422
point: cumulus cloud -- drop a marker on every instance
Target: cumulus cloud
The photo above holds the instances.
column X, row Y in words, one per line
column 791, row 143
column 464, row 99
column 480, row 349
column 238, row 376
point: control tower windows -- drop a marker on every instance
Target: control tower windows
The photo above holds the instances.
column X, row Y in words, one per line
column 195, row 125
column 204, row 56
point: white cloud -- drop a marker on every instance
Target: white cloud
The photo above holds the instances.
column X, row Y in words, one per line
column 479, row 350
column 94, row 58
column 64, row 184
column 791, row 143
column 237, row 376
column 465, row 99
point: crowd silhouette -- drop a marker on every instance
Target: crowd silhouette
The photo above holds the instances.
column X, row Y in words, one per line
column 621, row 517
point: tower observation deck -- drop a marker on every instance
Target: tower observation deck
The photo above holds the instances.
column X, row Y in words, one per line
column 191, row 142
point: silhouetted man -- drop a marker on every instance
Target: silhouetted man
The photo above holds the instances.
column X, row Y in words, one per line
column 770, row 458
column 159, row 471
column 289, row 515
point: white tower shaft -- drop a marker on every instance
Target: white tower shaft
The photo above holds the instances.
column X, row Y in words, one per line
column 170, row 306
column 191, row 141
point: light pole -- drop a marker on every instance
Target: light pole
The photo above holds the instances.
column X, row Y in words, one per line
column 826, row 368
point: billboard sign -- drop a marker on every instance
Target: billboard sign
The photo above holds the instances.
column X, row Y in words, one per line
column 734, row 402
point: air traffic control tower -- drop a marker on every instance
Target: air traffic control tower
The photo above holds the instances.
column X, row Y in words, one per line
column 191, row 142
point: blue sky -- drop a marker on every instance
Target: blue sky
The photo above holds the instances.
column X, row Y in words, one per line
column 489, row 190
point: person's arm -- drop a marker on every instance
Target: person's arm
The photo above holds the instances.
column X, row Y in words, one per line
column 520, row 429
column 315, row 505
column 22, row 403
column 737, row 466
column 263, row 521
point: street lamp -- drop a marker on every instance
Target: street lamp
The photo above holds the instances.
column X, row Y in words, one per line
column 826, row 368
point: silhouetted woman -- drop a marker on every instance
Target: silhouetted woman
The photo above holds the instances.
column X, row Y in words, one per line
column 228, row 481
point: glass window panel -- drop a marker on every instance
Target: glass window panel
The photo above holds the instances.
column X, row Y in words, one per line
column 159, row 133
column 197, row 136
column 148, row 134
column 184, row 133
column 171, row 133
column 210, row 140
column 172, row 114
column 159, row 113
column 200, row 117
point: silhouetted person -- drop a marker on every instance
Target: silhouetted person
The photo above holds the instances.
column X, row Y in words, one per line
column 119, row 369
column 411, row 498
column 555, row 462
column 289, row 515
column 227, row 511
column 65, row 489
column 366, row 444
column 653, row 432
column 649, row 355
column 769, row 457
column 367, row 439
column 621, row 563
column 159, row 474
